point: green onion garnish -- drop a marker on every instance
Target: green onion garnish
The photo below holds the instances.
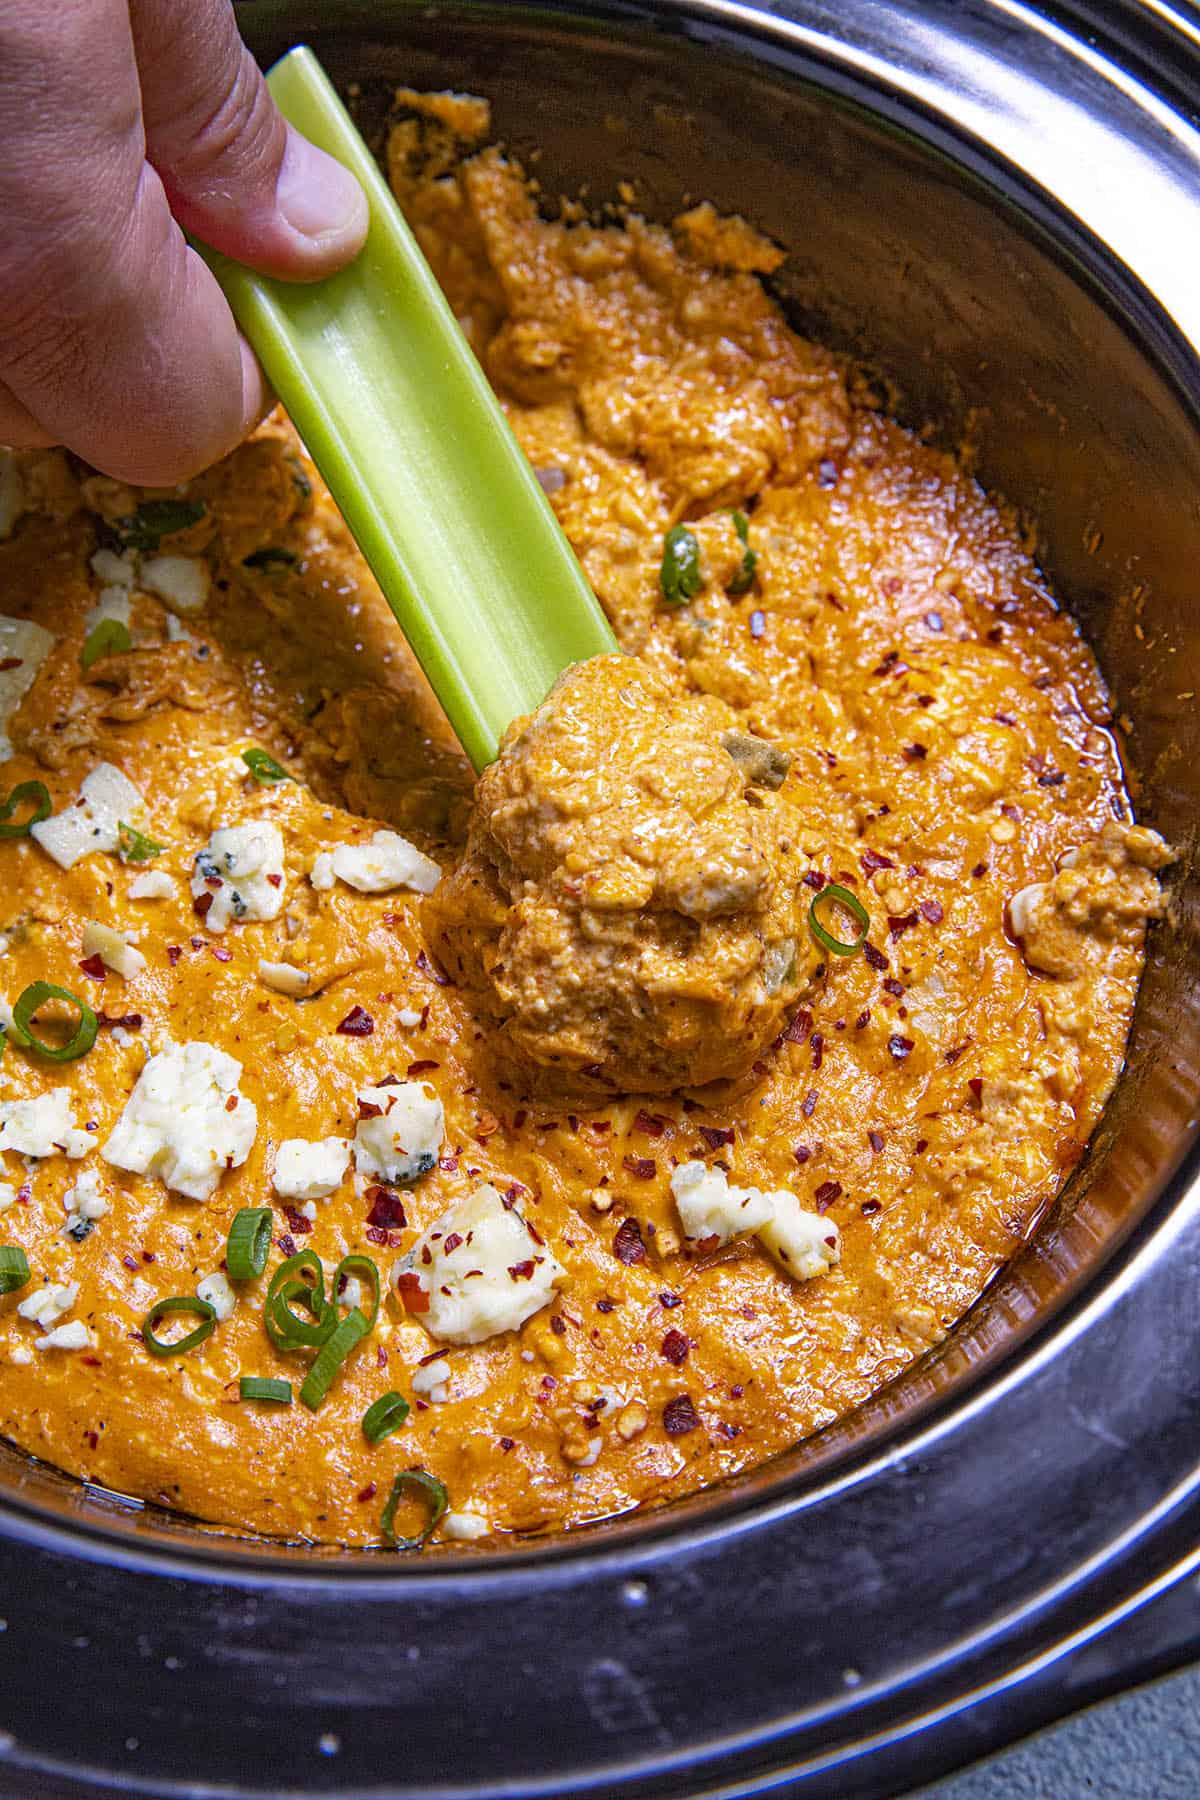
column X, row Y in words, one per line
column 14, row 1273
column 383, row 1416
column 248, row 1242
column 110, row 638
column 743, row 579
column 26, row 793
column 680, row 576
column 285, row 1330
column 134, row 846
column 28, row 1004
column 265, row 770
column 271, row 557
column 265, row 1387
column 157, row 519
column 427, row 1488
column 330, row 1358
column 357, row 1264
column 832, row 894
column 179, row 1303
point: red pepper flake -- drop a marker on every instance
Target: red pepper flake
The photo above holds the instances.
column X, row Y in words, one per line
column 174, row 952
column 453, row 1241
column 222, row 955
column 900, row 1047
column 287, row 1244
column 649, row 1123
column 121, row 1021
column 94, row 966
column 9, row 662
column 814, row 879
column 196, row 943
column 826, row 1194
column 507, row 1444
column 921, row 1144
column 201, row 905
column 376, row 1235
column 356, row 1023
column 675, row 1347
column 978, row 870
column 148, row 1256
column 604, row 1304
column 898, row 924
column 414, row 1296
column 642, row 1168
column 872, row 860
column 797, row 1032
column 628, row 1246
column 522, row 1271
column 1052, row 778
column 868, row 1207
column 716, row 1135
column 802, row 1154
column 952, row 1055
column 931, row 911
column 298, row 1221
column 130, row 1262
column 275, row 880
column 448, row 1164
column 367, row 1109
column 367, row 1493
column 679, row 1416
column 875, row 958
column 558, row 1325
column 758, row 623
column 863, row 1019
column 818, row 1050
column 915, row 752
column 809, row 1106
column 1003, row 718
column 976, row 1086
column 420, row 1067
column 894, row 988
column 387, row 1209
column 670, row 1301
column 428, row 967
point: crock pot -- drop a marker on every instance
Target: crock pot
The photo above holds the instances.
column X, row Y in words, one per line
column 998, row 208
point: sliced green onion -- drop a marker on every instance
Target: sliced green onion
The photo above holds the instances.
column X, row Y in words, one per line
column 284, row 1328
column 832, row 894
column 265, row 1387
column 157, row 519
column 427, row 1488
column 179, row 1303
column 265, row 770
column 26, row 793
column 14, row 1273
column 271, row 557
column 110, row 638
column 248, row 1242
column 743, row 579
column 680, row 576
column 28, row 1004
column 134, row 846
column 383, row 1416
column 357, row 1264
column 330, row 1358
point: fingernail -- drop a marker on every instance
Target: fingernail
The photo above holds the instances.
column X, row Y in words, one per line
column 317, row 196
column 257, row 399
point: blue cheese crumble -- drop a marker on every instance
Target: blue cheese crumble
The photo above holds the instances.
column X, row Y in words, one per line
column 179, row 1124
column 240, row 875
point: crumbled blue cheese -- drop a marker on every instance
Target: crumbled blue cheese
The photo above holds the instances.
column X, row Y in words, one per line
column 112, row 570
column 107, row 799
column 431, row 1381
column 155, row 884
column 47, row 1305
column 113, row 948
column 179, row 1124
column 285, row 978
column 84, row 1203
column 389, row 861
column 215, row 1288
column 710, row 1207
column 466, row 1526
column 180, row 581
column 42, row 1126
column 307, row 1170
column 483, row 1269
column 73, row 1336
column 399, row 1133
column 24, row 647
column 803, row 1243
column 115, row 604
column 241, row 870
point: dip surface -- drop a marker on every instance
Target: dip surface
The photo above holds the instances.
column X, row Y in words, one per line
column 862, row 607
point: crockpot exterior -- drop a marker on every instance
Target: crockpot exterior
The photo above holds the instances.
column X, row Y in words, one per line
column 1010, row 1530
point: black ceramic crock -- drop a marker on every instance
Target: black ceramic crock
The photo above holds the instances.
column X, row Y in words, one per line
column 998, row 206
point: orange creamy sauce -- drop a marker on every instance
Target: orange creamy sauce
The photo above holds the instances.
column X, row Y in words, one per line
column 949, row 743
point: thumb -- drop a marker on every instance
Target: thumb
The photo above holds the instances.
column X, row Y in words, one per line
column 236, row 175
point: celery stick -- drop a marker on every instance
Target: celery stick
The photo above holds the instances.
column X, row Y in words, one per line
column 399, row 418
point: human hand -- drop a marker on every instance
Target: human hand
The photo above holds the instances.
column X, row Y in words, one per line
column 125, row 123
